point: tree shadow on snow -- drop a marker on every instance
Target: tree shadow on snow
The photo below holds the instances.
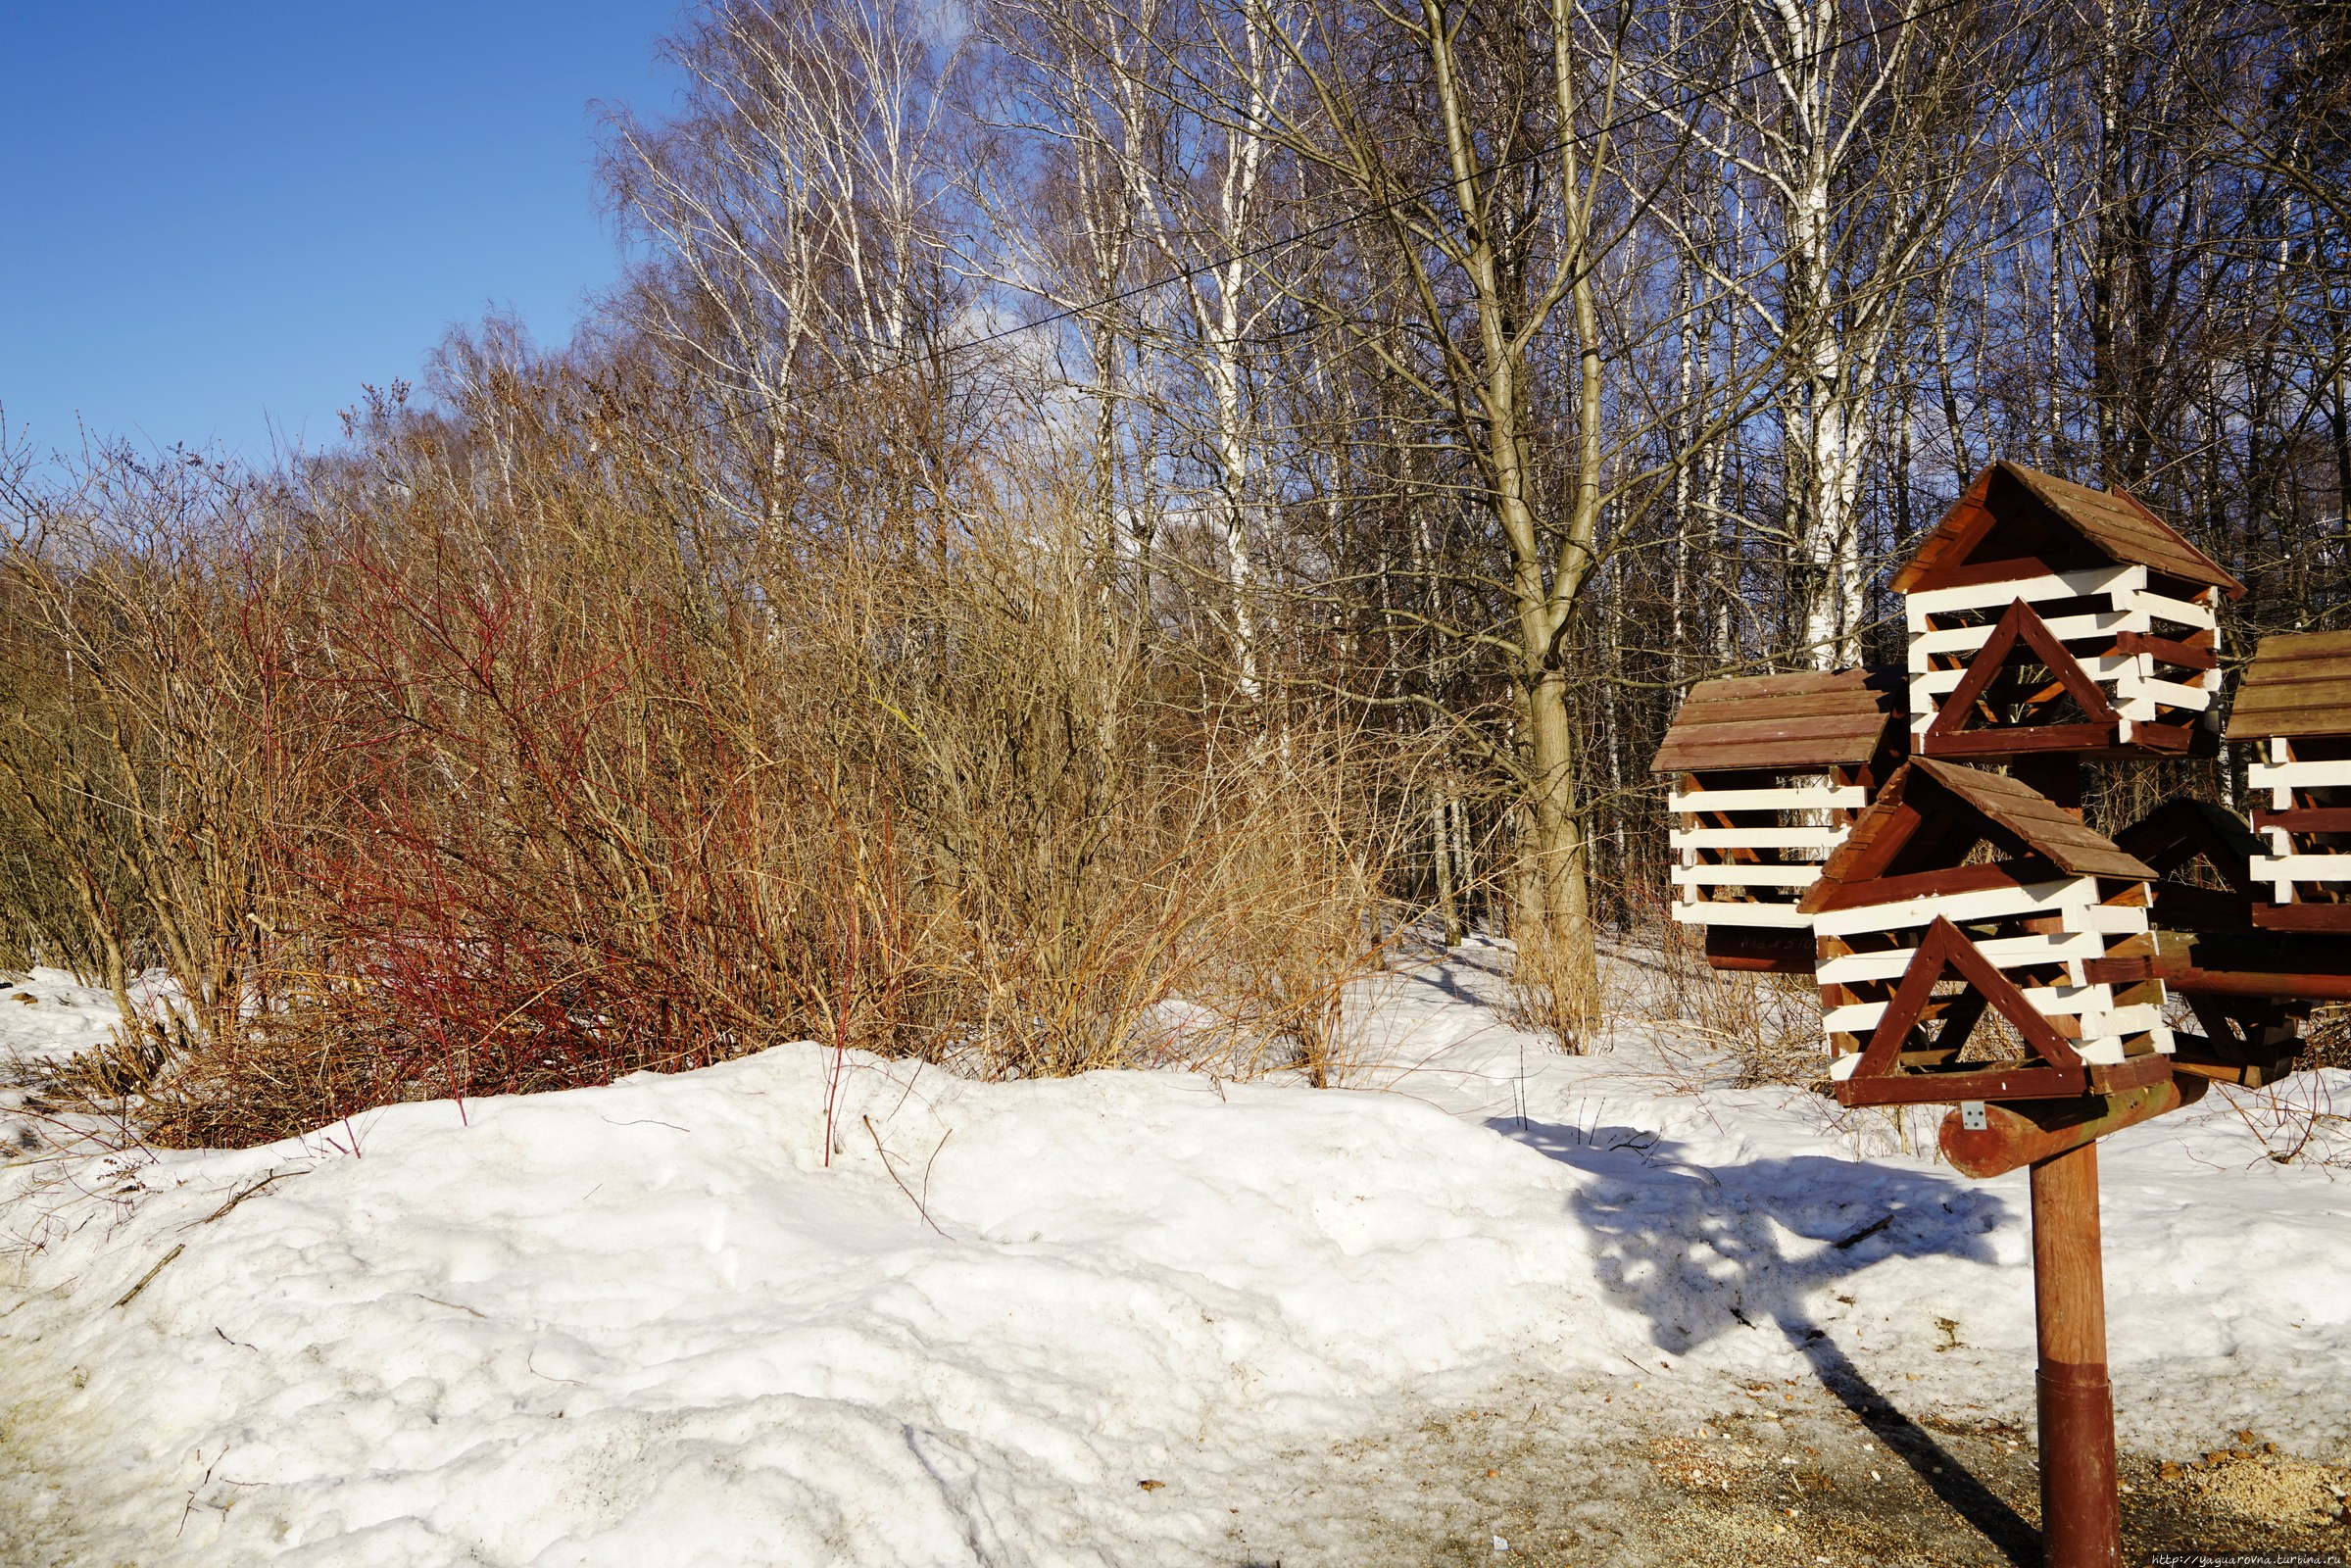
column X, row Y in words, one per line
column 1704, row 1251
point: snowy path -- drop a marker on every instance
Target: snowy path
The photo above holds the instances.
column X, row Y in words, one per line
column 1127, row 1318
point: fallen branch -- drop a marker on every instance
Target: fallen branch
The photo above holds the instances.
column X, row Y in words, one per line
column 132, row 1294
column 241, row 1195
column 1863, row 1234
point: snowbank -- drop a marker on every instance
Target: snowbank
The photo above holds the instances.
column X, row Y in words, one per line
column 1073, row 1322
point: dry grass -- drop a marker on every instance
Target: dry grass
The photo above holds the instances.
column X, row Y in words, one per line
column 492, row 759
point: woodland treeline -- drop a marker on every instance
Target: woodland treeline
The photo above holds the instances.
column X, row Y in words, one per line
column 1085, row 516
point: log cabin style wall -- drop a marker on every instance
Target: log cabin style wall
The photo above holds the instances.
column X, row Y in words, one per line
column 1768, row 772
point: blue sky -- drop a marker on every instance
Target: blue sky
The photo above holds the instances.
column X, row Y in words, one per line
column 222, row 218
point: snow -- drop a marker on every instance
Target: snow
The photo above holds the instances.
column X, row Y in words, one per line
column 664, row 1322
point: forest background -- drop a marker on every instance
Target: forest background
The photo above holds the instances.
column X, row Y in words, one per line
column 1087, row 517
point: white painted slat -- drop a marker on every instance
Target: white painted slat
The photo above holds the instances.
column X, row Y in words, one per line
column 2067, row 628
column 2138, row 1018
column 1745, row 876
column 2298, row 775
column 2107, row 669
column 2114, row 919
column 2170, row 693
column 2002, row 952
column 2177, row 610
column 2114, row 581
column 1856, row 1018
column 1809, row 798
column 2302, row 868
column 1756, row 838
column 1989, row 903
column 1783, row 917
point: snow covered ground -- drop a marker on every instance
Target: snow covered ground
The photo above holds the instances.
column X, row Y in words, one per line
column 1121, row 1319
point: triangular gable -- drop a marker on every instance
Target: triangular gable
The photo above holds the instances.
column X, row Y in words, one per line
column 2013, row 522
column 2021, row 623
column 2181, row 830
column 1945, row 954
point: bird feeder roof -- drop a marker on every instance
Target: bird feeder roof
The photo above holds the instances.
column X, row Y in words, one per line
column 2018, row 810
column 2297, row 685
column 2037, row 523
column 1815, row 719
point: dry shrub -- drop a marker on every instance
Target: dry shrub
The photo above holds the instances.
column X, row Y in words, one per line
column 1769, row 1024
column 489, row 759
column 142, row 752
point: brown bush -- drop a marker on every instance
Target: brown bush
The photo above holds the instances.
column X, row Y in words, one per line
column 484, row 761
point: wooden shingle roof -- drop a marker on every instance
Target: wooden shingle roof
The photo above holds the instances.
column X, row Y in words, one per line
column 2039, row 823
column 2299, row 684
column 1815, row 719
column 2015, row 513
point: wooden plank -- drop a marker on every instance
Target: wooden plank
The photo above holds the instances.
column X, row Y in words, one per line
column 2085, row 583
column 2048, row 1000
column 2328, row 917
column 1880, row 892
column 2162, row 607
column 1748, row 912
column 1994, row 901
column 1755, row 838
column 1991, row 1084
column 2305, row 819
column 2097, row 626
column 2001, row 953
column 2300, row 868
column 1764, row 951
column 2000, row 742
column 2107, row 919
column 2295, row 984
column 1715, row 709
column 2298, row 775
column 1804, row 798
column 1744, row 876
column 2193, row 653
column 2168, row 692
column 2271, row 672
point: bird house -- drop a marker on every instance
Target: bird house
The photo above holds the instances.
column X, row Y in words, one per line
column 2249, row 993
column 2047, row 617
column 1963, row 896
column 2293, row 707
column 1766, row 773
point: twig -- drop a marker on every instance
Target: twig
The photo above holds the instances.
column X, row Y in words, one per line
column 1863, row 1234
column 129, row 1295
column 241, row 1195
column 894, row 1176
column 199, row 1485
column 933, row 1160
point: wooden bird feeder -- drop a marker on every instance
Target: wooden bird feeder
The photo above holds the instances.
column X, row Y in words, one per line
column 1768, row 774
column 1962, row 892
column 2294, row 704
column 1975, row 942
column 2248, row 992
column 2047, row 617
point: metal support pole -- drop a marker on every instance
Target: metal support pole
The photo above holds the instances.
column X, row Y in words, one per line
column 2081, row 1515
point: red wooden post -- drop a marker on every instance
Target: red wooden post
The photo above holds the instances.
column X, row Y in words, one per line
column 2081, row 1514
